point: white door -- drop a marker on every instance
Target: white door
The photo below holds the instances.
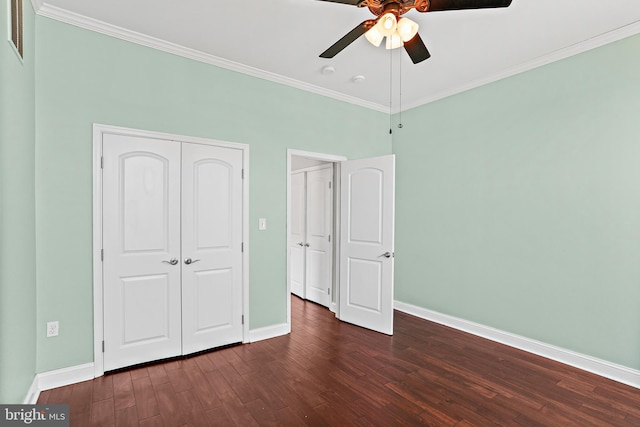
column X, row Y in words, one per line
column 211, row 247
column 298, row 233
column 141, row 238
column 318, row 245
column 367, row 189
column 172, row 236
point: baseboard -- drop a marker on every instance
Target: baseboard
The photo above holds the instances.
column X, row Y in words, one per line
column 269, row 332
column 65, row 376
column 76, row 374
column 58, row 378
column 33, row 394
column 587, row 363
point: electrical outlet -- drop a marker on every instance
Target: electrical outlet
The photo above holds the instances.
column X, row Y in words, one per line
column 53, row 329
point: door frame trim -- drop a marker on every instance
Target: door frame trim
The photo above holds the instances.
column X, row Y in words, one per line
column 331, row 158
column 98, row 316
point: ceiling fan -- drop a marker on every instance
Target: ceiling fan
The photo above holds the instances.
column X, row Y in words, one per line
column 400, row 31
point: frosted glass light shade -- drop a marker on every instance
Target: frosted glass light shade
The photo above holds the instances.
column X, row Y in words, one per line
column 387, row 24
column 374, row 36
column 407, row 29
column 394, row 41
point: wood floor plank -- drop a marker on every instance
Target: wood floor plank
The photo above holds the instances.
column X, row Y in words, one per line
column 80, row 403
column 240, row 365
column 192, row 409
column 632, row 420
column 333, row 399
column 287, row 417
column 333, row 417
column 127, row 417
column 262, row 384
column 170, row 410
column 146, row 402
column 328, row 373
column 60, row 394
column 238, row 412
column 205, row 364
column 123, row 396
column 102, row 413
column 102, row 388
column 155, row 421
column 219, row 385
column 138, row 373
column 261, row 412
column 219, row 417
column 306, row 387
column 241, row 388
column 157, row 374
column 43, row 398
column 203, row 391
column 179, row 380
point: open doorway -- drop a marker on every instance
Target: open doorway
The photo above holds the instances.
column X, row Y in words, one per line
column 310, row 241
column 360, row 235
column 312, row 227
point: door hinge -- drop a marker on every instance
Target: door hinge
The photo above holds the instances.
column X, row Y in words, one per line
column 242, row 173
column 243, row 319
column 329, row 237
column 328, row 291
column 101, row 162
column 103, row 346
column 101, row 254
column 242, row 247
column 329, row 185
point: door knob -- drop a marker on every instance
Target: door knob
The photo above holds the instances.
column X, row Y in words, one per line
column 172, row 261
column 300, row 244
column 190, row 261
column 387, row 255
column 307, row 245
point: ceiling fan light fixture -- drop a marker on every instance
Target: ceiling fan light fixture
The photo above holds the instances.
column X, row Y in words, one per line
column 391, row 24
column 407, row 29
column 374, row 36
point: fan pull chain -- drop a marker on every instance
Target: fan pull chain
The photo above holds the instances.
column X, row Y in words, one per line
column 400, row 99
column 390, row 90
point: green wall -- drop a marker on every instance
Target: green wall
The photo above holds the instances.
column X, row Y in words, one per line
column 17, row 213
column 518, row 204
column 82, row 78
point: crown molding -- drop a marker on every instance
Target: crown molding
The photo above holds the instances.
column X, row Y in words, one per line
column 37, row 4
column 81, row 21
column 63, row 15
column 575, row 49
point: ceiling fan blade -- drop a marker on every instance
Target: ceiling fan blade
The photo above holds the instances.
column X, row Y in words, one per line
column 351, row 2
column 349, row 38
column 439, row 5
column 416, row 49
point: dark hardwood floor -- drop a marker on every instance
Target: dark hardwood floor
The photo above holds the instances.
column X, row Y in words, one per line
column 328, row 373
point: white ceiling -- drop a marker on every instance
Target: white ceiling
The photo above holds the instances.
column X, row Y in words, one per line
column 280, row 40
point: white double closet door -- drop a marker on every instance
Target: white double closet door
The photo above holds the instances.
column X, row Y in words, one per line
column 310, row 244
column 172, row 236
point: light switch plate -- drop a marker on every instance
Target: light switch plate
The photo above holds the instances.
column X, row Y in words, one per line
column 262, row 224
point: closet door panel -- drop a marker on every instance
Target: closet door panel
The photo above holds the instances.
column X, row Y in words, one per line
column 211, row 246
column 141, row 221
